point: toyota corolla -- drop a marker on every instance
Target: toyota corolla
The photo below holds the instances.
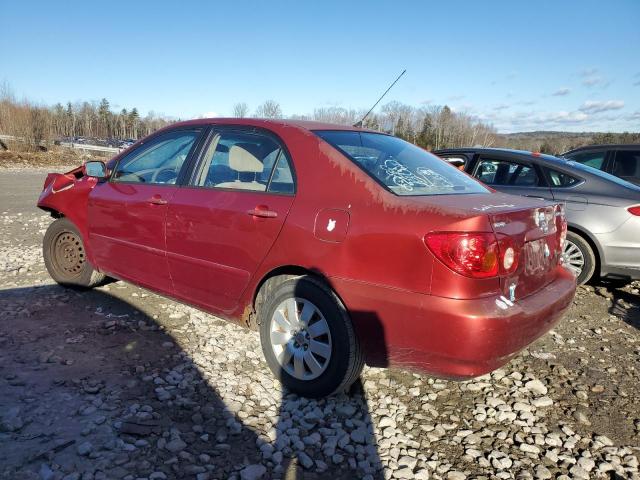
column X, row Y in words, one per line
column 339, row 245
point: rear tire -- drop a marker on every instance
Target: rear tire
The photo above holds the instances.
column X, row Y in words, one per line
column 303, row 318
column 579, row 257
column 65, row 257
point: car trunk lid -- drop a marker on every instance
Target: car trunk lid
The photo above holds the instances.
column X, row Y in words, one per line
column 536, row 235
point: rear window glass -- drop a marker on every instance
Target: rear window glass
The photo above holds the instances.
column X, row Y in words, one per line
column 399, row 166
column 561, row 179
column 627, row 164
column 601, row 174
column 590, row 159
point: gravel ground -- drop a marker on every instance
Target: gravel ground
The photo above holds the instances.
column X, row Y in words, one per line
column 121, row 383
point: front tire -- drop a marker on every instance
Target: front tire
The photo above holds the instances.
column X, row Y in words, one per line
column 65, row 256
column 579, row 257
column 308, row 339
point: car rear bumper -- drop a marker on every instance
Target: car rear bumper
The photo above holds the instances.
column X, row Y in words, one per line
column 450, row 337
column 621, row 250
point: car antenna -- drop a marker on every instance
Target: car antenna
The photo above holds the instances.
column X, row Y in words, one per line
column 359, row 124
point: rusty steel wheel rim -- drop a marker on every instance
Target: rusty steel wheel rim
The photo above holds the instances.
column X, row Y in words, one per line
column 69, row 254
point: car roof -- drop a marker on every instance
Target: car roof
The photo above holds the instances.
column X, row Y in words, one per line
column 474, row 150
column 604, row 146
column 581, row 170
column 271, row 122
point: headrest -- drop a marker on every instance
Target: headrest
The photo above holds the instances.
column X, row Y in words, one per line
column 241, row 160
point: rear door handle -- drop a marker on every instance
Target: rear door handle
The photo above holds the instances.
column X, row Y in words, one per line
column 263, row 212
column 157, row 200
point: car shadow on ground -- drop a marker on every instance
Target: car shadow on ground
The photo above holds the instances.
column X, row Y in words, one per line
column 624, row 304
column 91, row 384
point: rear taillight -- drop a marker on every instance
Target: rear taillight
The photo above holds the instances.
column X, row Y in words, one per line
column 509, row 254
column 562, row 226
column 476, row 255
column 634, row 210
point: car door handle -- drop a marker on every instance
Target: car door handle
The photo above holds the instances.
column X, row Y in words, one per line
column 157, row 200
column 263, row 212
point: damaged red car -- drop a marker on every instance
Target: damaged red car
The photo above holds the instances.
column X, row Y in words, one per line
column 339, row 245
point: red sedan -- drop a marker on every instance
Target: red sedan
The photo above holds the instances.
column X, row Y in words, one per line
column 340, row 245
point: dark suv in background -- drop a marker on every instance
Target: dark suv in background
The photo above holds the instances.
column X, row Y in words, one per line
column 620, row 160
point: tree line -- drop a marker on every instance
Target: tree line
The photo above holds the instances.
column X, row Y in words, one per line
column 431, row 127
column 38, row 125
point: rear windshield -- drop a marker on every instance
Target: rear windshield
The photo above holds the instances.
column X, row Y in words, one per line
column 399, row 166
column 600, row 173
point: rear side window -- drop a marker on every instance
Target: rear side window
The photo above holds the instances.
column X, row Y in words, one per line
column 505, row 173
column 245, row 161
column 590, row 159
column 627, row 164
column 561, row 179
column 399, row 166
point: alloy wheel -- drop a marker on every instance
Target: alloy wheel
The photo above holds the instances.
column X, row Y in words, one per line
column 573, row 258
column 300, row 338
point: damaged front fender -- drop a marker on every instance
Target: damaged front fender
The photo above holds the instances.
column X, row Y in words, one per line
column 66, row 195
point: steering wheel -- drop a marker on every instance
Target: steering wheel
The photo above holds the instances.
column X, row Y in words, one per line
column 139, row 178
column 157, row 173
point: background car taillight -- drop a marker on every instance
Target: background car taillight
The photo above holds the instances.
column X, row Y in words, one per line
column 634, row 210
column 476, row 255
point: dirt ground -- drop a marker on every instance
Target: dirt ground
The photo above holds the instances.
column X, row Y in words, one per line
column 121, row 383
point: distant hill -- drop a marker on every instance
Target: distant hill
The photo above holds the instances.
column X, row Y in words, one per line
column 559, row 142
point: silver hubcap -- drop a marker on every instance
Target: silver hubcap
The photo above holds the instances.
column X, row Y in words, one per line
column 573, row 258
column 300, row 338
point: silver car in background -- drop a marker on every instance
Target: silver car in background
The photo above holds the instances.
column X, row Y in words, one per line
column 603, row 211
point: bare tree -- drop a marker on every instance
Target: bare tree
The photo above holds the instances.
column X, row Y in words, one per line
column 269, row 109
column 240, row 110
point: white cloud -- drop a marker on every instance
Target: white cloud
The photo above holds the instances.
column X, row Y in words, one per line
column 567, row 117
column 561, row 92
column 209, row 115
column 593, row 78
column 588, row 72
column 634, row 116
column 597, row 106
column 595, row 81
column 502, row 106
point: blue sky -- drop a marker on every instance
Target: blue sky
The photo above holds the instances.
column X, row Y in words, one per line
column 553, row 65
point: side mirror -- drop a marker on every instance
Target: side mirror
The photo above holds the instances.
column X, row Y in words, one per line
column 95, row 169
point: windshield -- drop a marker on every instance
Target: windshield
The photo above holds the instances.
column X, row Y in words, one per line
column 401, row 167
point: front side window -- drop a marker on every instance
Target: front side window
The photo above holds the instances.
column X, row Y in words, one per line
column 505, row 173
column 458, row 161
column 590, row 159
column 157, row 162
column 399, row 166
column 246, row 161
column 561, row 179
